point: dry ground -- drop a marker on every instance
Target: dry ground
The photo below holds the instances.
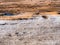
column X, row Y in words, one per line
column 36, row 31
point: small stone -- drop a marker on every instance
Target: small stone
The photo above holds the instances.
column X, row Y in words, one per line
column 45, row 17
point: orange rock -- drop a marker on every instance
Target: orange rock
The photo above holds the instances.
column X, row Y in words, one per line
column 29, row 7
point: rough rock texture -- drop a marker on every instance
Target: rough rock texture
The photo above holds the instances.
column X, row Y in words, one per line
column 34, row 27
column 12, row 9
column 37, row 31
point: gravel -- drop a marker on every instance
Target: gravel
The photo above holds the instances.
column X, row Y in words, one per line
column 36, row 31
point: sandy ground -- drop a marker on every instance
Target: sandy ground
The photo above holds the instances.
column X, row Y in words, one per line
column 36, row 31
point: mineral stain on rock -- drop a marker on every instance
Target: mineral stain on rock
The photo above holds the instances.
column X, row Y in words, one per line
column 7, row 14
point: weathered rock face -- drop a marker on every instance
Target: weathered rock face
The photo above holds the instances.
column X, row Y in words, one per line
column 36, row 25
column 29, row 5
column 36, row 31
column 17, row 7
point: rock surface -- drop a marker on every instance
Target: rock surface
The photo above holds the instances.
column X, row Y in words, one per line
column 36, row 31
